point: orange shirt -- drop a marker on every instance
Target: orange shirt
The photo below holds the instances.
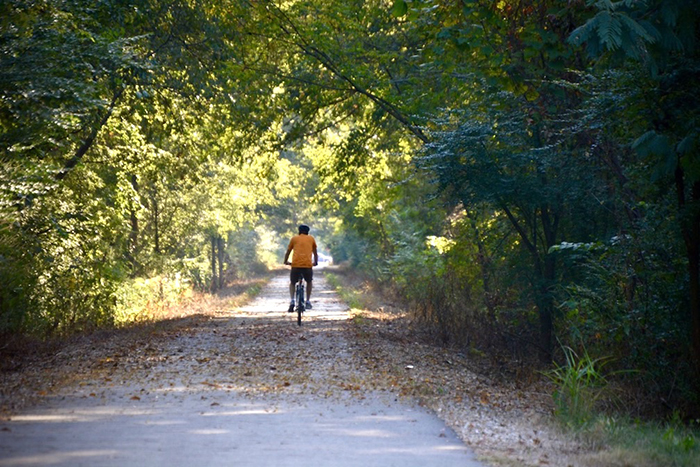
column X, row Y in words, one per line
column 304, row 246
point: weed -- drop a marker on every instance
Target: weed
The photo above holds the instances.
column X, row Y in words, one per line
column 358, row 319
column 580, row 382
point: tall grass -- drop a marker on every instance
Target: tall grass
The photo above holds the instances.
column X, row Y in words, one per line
column 580, row 382
column 625, row 442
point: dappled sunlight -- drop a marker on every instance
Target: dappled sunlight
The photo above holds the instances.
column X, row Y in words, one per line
column 164, row 422
column 365, row 433
column 487, row 184
column 209, row 432
column 82, row 415
column 61, row 458
column 386, row 418
column 274, row 304
column 49, row 418
column 247, row 380
column 240, row 413
column 357, row 430
column 414, row 451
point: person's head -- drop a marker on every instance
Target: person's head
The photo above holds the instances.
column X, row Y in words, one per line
column 304, row 229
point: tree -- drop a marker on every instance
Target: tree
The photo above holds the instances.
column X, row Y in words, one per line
column 87, row 199
column 506, row 146
column 661, row 36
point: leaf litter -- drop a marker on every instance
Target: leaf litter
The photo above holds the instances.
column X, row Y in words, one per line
column 219, row 348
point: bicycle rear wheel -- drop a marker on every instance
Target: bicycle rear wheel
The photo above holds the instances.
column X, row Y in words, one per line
column 300, row 301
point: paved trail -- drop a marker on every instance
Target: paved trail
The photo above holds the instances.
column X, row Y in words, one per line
column 245, row 388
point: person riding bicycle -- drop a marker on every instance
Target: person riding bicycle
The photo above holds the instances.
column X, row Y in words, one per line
column 304, row 259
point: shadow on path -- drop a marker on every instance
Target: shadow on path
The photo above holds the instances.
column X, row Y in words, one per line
column 248, row 387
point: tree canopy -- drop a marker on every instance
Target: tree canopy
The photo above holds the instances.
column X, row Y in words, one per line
column 522, row 173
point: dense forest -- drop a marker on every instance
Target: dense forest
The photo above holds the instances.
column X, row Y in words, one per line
column 523, row 174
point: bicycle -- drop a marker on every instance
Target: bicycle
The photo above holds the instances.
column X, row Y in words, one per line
column 300, row 297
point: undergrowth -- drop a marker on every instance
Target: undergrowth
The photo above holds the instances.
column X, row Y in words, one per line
column 583, row 391
column 348, row 294
column 581, row 382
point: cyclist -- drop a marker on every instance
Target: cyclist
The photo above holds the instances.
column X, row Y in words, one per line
column 304, row 259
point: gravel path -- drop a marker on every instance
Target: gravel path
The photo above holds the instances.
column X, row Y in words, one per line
column 245, row 386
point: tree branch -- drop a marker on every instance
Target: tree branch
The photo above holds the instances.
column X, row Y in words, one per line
column 87, row 143
column 523, row 235
column 289, row 28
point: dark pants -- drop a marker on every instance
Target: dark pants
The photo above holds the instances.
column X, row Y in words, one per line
column 296, row 273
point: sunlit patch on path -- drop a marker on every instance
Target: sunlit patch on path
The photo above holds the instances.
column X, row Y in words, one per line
column 274, row 301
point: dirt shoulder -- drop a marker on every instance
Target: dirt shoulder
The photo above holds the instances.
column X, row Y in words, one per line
column 505, row 420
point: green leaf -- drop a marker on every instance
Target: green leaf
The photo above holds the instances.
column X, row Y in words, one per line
column 445, row 33
column 669, row 13
column 609, row 30
column 638, row 31
column 654, row 145
column 688, row 149
column 651, row 143
column 582, row 34
column 688, row 144
column 400, row 8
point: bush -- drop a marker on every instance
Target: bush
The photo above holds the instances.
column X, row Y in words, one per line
column 628, row 303
column 139, row 300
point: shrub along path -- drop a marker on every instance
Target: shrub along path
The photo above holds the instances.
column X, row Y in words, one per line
column 229, row 386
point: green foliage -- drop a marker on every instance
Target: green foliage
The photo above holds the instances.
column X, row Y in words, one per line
column 145, row 300
column 348, row 294
column 60, row 276
column 122, row 156
column 62, row 70
column 515, row 189
column 638, row 30
column 247, row 250
column 580, row 383
column 613, row 29
column 668, row 442
column 628, row 302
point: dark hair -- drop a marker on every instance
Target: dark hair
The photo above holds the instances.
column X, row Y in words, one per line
column 304, row 229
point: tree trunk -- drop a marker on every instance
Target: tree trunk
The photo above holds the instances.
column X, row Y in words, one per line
column 550, row 225
column 220, row 243
column 213, row 264
column 691, row 235
column 690, row 228
column 694, row 272
column 546, row 309
column 156, row 227
column 544, row 273
column 483, row 258
column 90, row 139
column 132, row 250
